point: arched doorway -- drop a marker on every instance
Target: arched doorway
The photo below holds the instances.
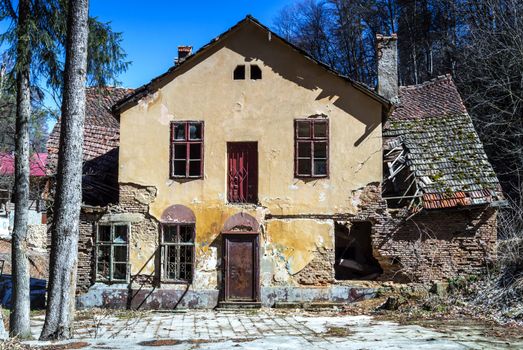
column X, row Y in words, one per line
column 241, row 258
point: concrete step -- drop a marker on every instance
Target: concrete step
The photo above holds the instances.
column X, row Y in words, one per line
column 309, row 305
column 235, row 305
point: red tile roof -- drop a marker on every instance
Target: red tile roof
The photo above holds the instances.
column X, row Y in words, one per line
column 442, row 147
column 101, row 133
column 435, row 97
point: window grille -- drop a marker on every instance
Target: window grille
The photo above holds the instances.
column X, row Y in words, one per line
column 177, row 246
column 187, row 149
column 311, row 148
column 112, row 247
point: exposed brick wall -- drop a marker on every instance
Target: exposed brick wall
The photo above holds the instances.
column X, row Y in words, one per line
column 319, row 272
column 430, row 245
column 85, row 273
column 437, row 244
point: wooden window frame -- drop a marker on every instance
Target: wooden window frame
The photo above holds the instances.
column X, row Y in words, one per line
column 112, row 245
column 312, row 139
column 164, row 246
column 187, row 142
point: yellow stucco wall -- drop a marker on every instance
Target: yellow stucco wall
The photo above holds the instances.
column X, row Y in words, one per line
column 262, row 111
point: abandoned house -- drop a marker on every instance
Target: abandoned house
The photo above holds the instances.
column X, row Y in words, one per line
column 250, row 173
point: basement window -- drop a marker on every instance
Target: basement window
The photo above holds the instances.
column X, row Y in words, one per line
column 353, row 252
column 256, row 73
column 239, row 72
column 187, row 149
column 311, row 148
column 112, row 247
column 177, row 252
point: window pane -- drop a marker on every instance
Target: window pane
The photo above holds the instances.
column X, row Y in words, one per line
column 120, row 234
column 171, row 265
column 169, row 234
column 104, row 233
column 103, row 254
column 179, row 131
column 194, row 168
column 320, row 129
column 195, row 151
column 180, row 151
column 179, row 168
column 304, row 149
column 320, row 150
column 304, row 128
column 304, row 166
column 320, row 167
column 186, row 253
column 120, row 254
column 195, row 131
column 186, row 234
column 119, row 271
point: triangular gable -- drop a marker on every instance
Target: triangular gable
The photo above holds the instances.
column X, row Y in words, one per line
column 160, row 81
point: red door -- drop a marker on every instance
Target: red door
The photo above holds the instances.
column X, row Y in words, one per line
column 242, row 172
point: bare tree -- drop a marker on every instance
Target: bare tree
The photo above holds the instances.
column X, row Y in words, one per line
column 19, row 320
column 64, row 231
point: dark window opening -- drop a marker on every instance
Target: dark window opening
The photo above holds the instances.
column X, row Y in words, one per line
column 311, row 139
column 256, row 72
column 177, row 253
column 112, row 252
column 187, row 149
column 353, row 253
column 239, row 72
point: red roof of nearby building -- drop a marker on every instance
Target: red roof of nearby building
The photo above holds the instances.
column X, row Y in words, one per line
column 37, row 164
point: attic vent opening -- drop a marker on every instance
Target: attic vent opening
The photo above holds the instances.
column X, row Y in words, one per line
column 239, row 72
column 256, row 72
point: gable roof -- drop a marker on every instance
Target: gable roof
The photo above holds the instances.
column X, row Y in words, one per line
column 440, row 146
column 151, row 87
column 100, row 150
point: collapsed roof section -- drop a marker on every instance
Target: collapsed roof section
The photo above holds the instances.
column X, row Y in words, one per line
column 432, row 153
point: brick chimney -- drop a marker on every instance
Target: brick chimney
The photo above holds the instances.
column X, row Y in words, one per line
column 387, row 50
column 183, row 52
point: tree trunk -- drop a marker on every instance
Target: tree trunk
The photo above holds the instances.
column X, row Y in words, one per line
column 64, row 229
column 19, row 318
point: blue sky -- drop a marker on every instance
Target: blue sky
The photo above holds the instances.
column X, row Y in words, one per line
column 152, row 30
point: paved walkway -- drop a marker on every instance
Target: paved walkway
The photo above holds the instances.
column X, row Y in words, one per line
column 267, row 329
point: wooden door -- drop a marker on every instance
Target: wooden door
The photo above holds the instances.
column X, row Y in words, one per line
column 242, row 172
column 241, row 267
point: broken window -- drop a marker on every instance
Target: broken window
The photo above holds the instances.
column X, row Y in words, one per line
column 187, row 149
column 256, row 72
column 239, row 72
column 353, row 252
column 177, row 252
column 311, row 148
column 112, row 242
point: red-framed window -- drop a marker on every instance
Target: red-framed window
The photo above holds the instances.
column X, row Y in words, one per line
column 187, row 149
column 311, row 148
